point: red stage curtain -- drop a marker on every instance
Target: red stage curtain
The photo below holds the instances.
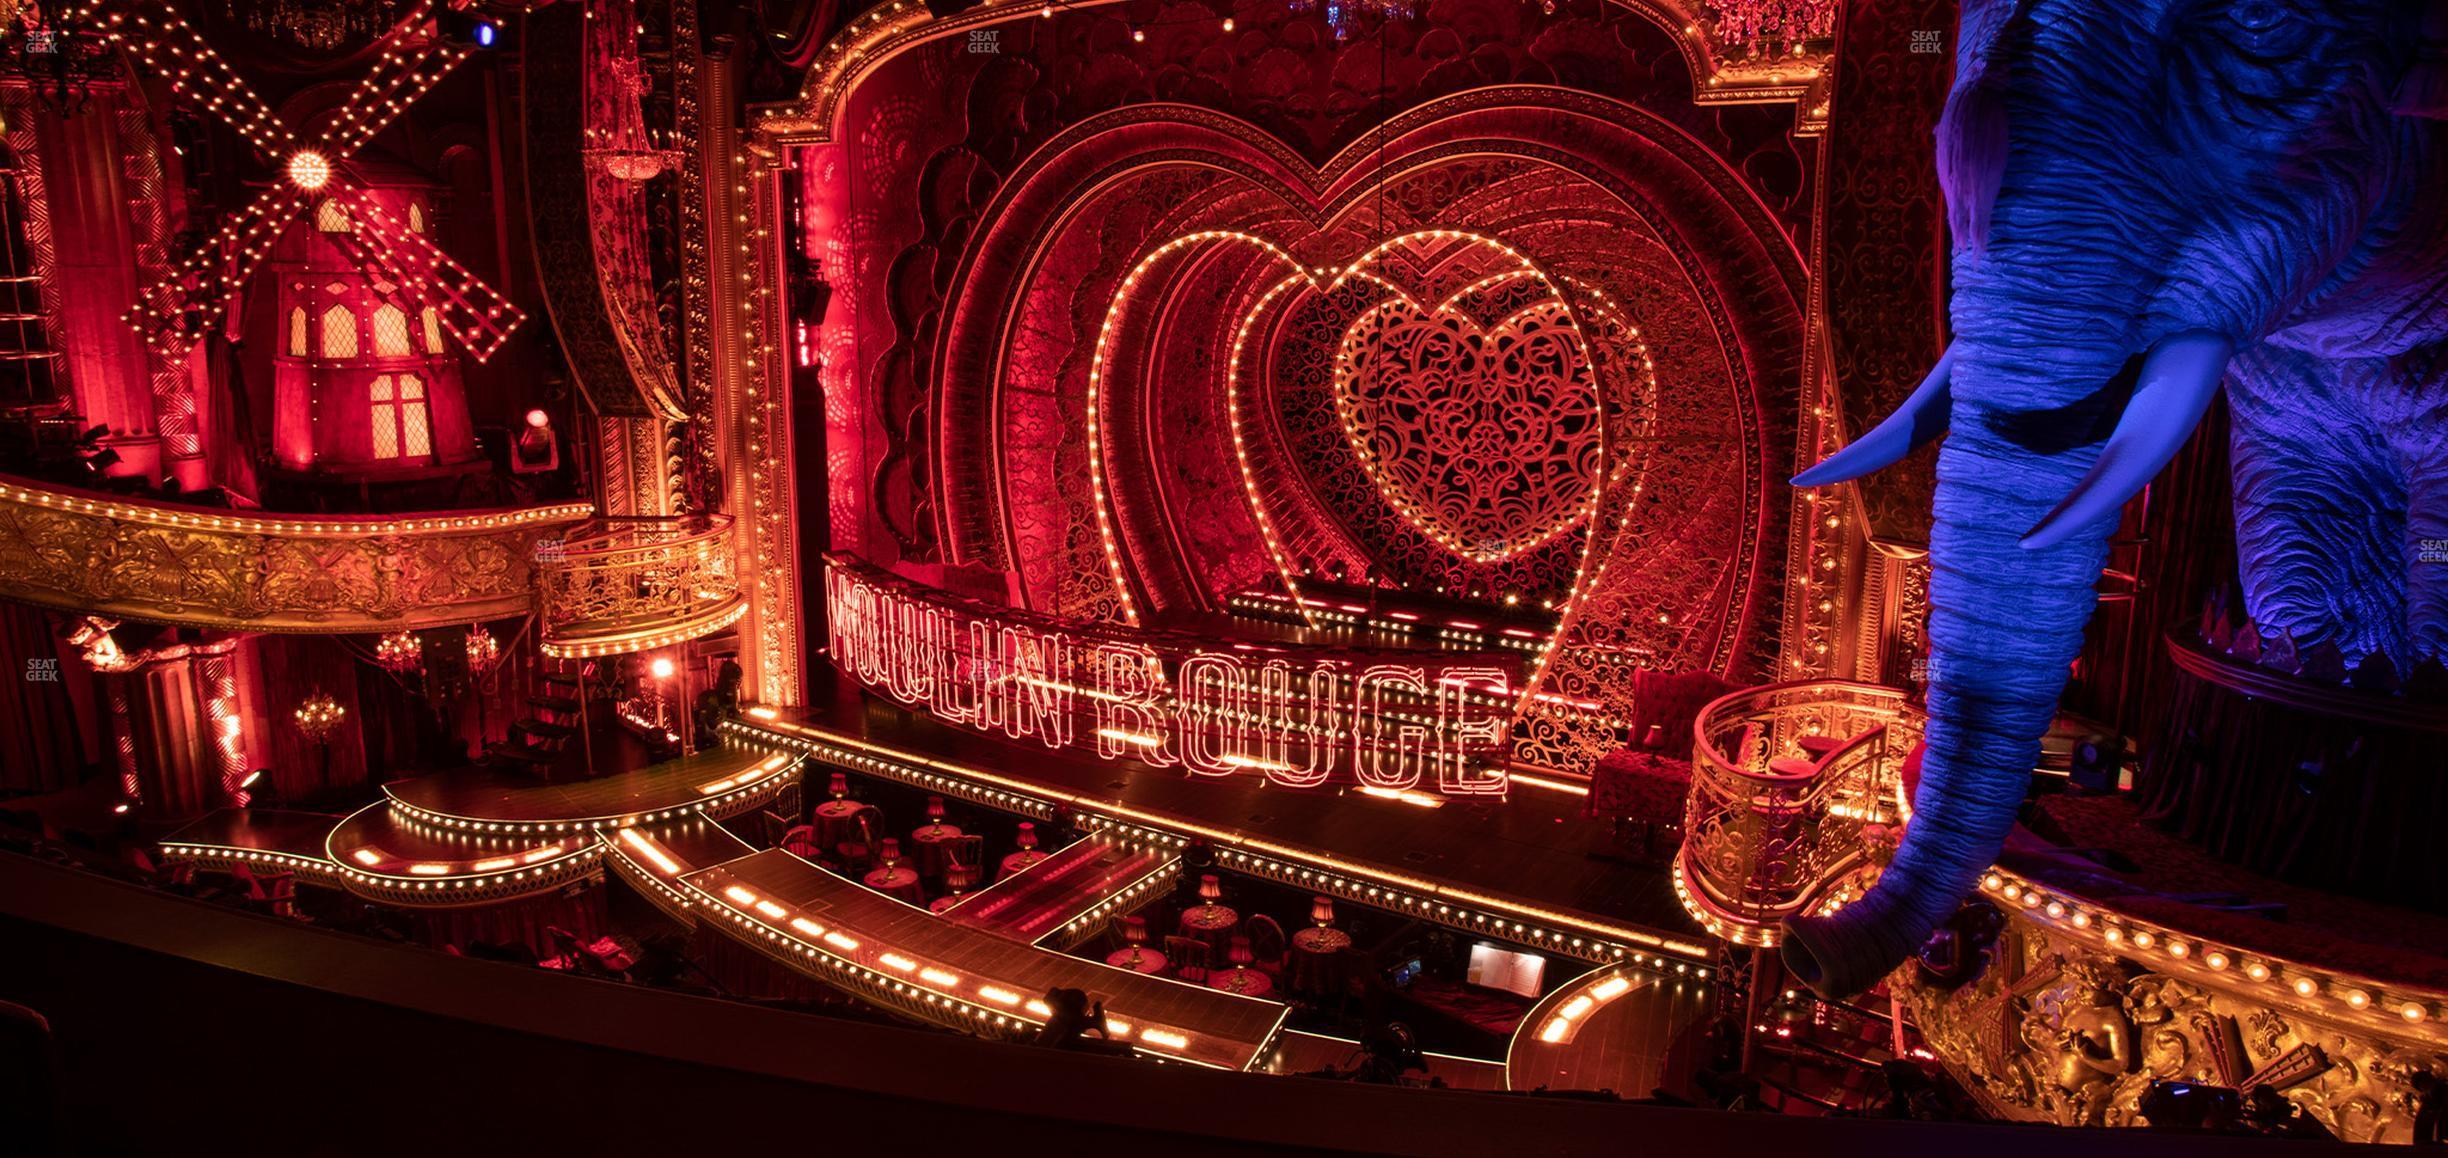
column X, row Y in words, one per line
column 519, row 922
column 41, row 747
column 294, row 667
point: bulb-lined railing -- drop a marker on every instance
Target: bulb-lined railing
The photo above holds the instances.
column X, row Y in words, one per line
column 1794, row 789
column 161, row 562
column 627, row 584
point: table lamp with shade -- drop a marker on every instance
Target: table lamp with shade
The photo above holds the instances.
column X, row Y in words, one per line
column 1241, row 957
column 935, row 814
column 1321, row 912
column 840, row 786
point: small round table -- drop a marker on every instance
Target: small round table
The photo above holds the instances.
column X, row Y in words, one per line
column 930, row 843
column 1246, row 982
column 1019, row 861
column 836, row 821
column 900, row 883
column 1316, row 964
column 1213, row 924
column 1150, row 961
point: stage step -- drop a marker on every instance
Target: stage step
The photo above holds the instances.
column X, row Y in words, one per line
column 545, row 731
column 505, row 750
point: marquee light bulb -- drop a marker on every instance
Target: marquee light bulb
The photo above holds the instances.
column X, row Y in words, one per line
column 309, row 170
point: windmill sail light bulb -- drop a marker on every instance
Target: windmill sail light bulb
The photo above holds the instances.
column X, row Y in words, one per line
column 309, row 170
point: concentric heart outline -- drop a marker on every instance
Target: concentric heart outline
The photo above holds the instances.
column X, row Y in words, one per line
column 1365, row 427
column 1327, row 279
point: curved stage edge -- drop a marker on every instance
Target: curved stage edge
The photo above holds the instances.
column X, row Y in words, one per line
column 109, row 963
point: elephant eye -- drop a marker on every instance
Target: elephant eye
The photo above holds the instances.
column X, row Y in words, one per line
column 2256, row 15
column 2262, row 28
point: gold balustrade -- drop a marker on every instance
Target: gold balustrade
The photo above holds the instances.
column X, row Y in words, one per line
column 1773, row 829
column 2082, row 1006
column 252, row 571
column 630, row 584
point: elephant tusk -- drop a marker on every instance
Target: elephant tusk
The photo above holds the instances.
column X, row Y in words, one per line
column 2170, row 395
column 1922, row 417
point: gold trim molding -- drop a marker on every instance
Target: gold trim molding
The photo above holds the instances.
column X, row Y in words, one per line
column 2081, row 1008
column 621, row 585
column 198, row 567
column 1722, row 72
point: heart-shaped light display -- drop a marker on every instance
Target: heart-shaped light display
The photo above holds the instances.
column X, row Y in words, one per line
column 1487, row 440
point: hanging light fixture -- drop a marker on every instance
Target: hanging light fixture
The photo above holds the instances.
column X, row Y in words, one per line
column 483, row 651
column 318, row 716
column 399, row 652
column 618, row 143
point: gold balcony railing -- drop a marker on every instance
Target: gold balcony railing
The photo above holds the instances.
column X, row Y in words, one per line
column 630, row 584
column 2065, row 1008
column 251, row 571
column 1792, row 785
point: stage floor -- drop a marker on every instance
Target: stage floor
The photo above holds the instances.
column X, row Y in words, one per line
column 1530, row 853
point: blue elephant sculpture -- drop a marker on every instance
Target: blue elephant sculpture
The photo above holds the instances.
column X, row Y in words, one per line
column 2149, row 198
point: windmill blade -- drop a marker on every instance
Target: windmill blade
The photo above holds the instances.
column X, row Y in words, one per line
column 185, row 304
column 167, row 46
column 403, row 71
column 476, row 314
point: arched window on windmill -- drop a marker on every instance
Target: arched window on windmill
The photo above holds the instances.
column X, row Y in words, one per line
column 367, row 385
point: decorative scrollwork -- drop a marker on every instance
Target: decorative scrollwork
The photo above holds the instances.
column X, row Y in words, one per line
column 1487, row 439
column 1773, row 827
column 626, row 584
column 2059, row 1030
column 215, row 568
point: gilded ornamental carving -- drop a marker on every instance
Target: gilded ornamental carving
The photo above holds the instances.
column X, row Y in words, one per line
column 199, row 567
column 2072, row 1022
column 636, row 583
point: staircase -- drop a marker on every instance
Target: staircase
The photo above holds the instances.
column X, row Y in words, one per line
column 557, row 710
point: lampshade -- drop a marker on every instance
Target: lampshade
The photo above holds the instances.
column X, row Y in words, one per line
column 935, row 809
column 841, row 786
column 1134, row 930
column 890, row 851
column 1321, row 911
column 1028, row 835
column 1210, row 889
column 1240, row 954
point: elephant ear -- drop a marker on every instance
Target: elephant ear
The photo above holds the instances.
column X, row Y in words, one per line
column 2424, row 91
column 1972, row 131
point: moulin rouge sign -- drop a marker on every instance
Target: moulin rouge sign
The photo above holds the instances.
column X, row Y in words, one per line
column 1391, row 722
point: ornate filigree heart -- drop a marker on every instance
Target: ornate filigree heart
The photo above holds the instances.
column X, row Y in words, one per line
column 1487, row 440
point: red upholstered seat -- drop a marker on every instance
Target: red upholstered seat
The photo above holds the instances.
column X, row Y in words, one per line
column 1664, row 705
column 1644, row 787
column 1646, row 783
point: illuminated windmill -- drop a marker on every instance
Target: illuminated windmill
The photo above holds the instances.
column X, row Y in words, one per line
column 183, row 306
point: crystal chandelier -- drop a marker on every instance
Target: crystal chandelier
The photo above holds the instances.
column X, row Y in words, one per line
column 482, row 650
column 60, row 56
column 618, row 143
column 1785, row 22
column 318, row 25
column 318, row 716
column 399, row 652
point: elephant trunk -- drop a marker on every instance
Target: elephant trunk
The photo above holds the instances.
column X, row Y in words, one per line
column 2006, row 615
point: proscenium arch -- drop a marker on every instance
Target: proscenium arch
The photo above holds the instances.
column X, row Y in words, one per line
column 1321, row 279
column 1723, row 239
column 886, row 31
